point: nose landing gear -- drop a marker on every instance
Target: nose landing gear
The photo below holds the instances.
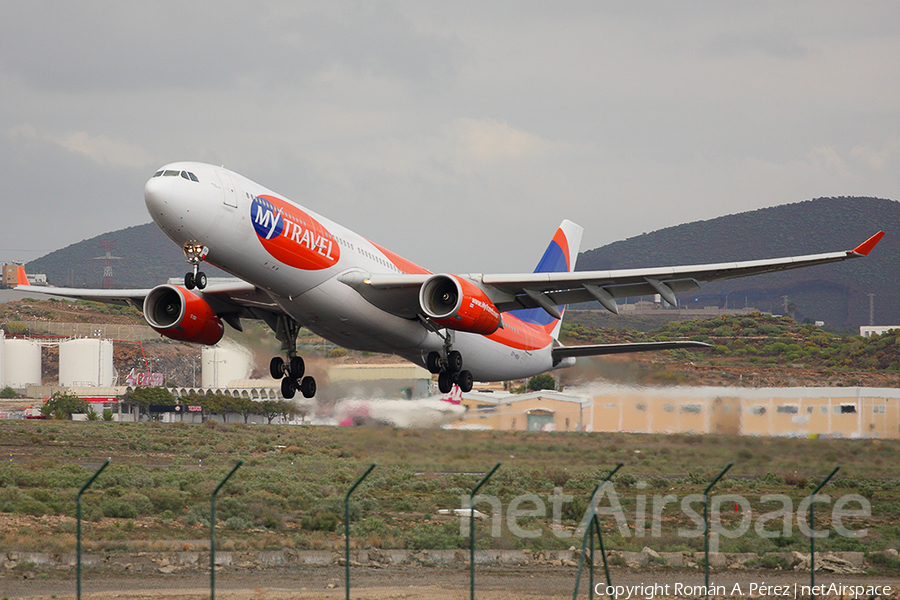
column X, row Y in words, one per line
column 195, row 252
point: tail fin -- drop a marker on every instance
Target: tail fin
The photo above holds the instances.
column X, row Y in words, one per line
column 22, row 278
column 560, row 256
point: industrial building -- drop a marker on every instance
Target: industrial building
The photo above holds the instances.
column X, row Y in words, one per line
column 795, row 412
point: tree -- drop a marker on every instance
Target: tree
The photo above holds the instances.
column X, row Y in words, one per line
column 8, row 392
column 247, row 407
column 63, row 406
column 270, row 409
column 287, row 409
column 143, row 397
column 544, row 381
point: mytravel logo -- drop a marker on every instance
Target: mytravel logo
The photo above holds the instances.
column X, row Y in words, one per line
column 291, row 236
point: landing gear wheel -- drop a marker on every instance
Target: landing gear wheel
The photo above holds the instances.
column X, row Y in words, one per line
column 308, row 387
column 464, row 381
column 189, row 281
column 445, row 382
column 287, row 388
column 433, row 362
column 297, row 369
column 276, row 367
column 200, row 280
column 454, row 361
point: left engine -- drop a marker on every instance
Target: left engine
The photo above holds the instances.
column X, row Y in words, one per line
column 457, row 303
column 182, row 315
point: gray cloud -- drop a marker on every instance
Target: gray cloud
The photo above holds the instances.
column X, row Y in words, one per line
column 478, row 126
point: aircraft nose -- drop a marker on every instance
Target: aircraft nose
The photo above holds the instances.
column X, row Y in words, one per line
column 157, row 194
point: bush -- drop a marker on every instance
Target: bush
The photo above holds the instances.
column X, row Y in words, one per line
column 118, row 508
column 433, row 536
column 29, row 506
column 237, row 523
column 773, row 561
column 321, row 521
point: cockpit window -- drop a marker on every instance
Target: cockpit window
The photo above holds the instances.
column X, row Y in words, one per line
column 171, row 173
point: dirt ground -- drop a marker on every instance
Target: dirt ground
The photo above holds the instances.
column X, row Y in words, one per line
column 411, row 583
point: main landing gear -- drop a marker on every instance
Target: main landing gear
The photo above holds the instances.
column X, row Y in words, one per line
column 292, row 379
column 195, row 253
column 449, row 371
column 292, row 372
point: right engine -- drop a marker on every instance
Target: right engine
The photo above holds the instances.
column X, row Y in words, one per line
column 457, row 303
column 182, row 315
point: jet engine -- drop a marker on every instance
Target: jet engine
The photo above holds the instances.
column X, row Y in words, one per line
column 457, row 303
column 181, row 315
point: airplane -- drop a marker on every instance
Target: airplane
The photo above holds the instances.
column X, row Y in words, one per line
column 298, row 268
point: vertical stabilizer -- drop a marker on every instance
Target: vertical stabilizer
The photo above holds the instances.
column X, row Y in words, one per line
column 559, row 257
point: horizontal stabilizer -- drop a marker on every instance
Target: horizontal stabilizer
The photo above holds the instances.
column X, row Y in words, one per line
column 599, row 349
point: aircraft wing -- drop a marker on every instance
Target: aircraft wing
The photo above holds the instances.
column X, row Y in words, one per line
column 398, row 294
column 237, row 298
column 556, row 289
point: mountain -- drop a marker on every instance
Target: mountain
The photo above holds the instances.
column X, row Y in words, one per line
column 836, row 294
column 146, row 258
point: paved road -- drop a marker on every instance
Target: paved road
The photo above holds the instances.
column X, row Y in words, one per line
column 395, row 582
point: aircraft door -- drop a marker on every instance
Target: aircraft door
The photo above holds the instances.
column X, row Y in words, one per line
column 229, row 191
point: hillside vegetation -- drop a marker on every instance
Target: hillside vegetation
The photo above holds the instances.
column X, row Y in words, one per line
column 837, row 294
column 756, row 349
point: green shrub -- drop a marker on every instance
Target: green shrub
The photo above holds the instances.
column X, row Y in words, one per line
column 27, row 505
column 434, row 536
column 118, row 508
column 773, row 561
column 321, row 521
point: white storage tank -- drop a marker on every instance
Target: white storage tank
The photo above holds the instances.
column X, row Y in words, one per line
column 223, row 363
column 21, row 363
column 86, row 362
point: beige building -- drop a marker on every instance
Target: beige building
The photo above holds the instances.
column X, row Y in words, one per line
column 537, row 411
column 793, row 412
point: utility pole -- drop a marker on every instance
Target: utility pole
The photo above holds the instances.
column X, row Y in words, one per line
column 871, row 309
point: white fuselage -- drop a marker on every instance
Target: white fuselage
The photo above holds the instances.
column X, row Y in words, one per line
column 297, row 256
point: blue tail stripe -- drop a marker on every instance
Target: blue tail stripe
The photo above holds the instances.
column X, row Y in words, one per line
column 553, row 261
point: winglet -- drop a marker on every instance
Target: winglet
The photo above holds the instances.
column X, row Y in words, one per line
column 22, row 277
column 866, row 247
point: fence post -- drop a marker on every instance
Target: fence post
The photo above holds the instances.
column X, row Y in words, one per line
column 347, row 528
column 212, row 532
column 472, row 530
column 812, row 535
column 593, row 522
column 706, row 522
column 78, row 516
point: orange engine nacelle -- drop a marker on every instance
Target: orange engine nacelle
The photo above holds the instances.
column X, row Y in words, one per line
column 181, row 315
column 457, row 303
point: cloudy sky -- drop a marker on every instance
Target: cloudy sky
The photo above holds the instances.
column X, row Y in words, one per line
column 458, row 134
